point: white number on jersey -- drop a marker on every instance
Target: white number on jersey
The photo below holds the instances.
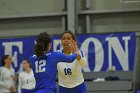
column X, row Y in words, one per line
column 39, row 66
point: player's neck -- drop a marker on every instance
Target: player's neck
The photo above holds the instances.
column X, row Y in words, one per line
column 28, row 70
column 7, row 66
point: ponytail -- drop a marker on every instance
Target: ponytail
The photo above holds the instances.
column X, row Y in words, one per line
column 39, row 50
column 42, row 44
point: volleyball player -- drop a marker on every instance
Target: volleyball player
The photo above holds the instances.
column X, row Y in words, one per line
column 70, row 76
column 7, row 75
column 26, row 83
column 44, row 64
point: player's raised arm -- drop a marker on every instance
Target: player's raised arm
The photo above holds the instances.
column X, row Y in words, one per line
column 65, row 58
column 80, row 55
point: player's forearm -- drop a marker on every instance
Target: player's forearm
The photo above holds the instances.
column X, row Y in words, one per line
column 82, row 62
column 78, row 57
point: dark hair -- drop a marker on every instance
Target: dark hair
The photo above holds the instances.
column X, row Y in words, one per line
column 72, row 35
column 3, row 58
column 42, row 44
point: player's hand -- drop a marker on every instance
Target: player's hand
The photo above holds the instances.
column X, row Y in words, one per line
column 74, row 49
column 12, row 89
column 14, row 77
column 73, row 46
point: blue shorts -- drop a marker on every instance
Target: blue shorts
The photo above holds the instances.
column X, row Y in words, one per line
column 138, row 91
column 78, row 89
column 45, row 91
column 27, row 90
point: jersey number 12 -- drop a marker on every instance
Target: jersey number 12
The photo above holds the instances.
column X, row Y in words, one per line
column 39, row 66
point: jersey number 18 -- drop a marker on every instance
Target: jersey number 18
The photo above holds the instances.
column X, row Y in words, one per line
column 39, row 66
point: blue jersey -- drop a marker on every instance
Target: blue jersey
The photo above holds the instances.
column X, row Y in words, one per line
column 45, row 68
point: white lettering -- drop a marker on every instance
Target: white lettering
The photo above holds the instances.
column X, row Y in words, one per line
column 8, row 50
column 122, row 54
column 99, row 53
column 56, row 43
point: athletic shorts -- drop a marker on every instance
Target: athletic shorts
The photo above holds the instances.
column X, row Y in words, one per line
column 78, row 89
column 27, row 91
column 45, row 91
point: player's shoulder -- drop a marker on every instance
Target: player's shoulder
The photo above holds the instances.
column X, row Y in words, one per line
column 81, row 52
column 57, row 52
column 1, row 68
column 12, row 69
column 32, row 57
column 21, row 73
